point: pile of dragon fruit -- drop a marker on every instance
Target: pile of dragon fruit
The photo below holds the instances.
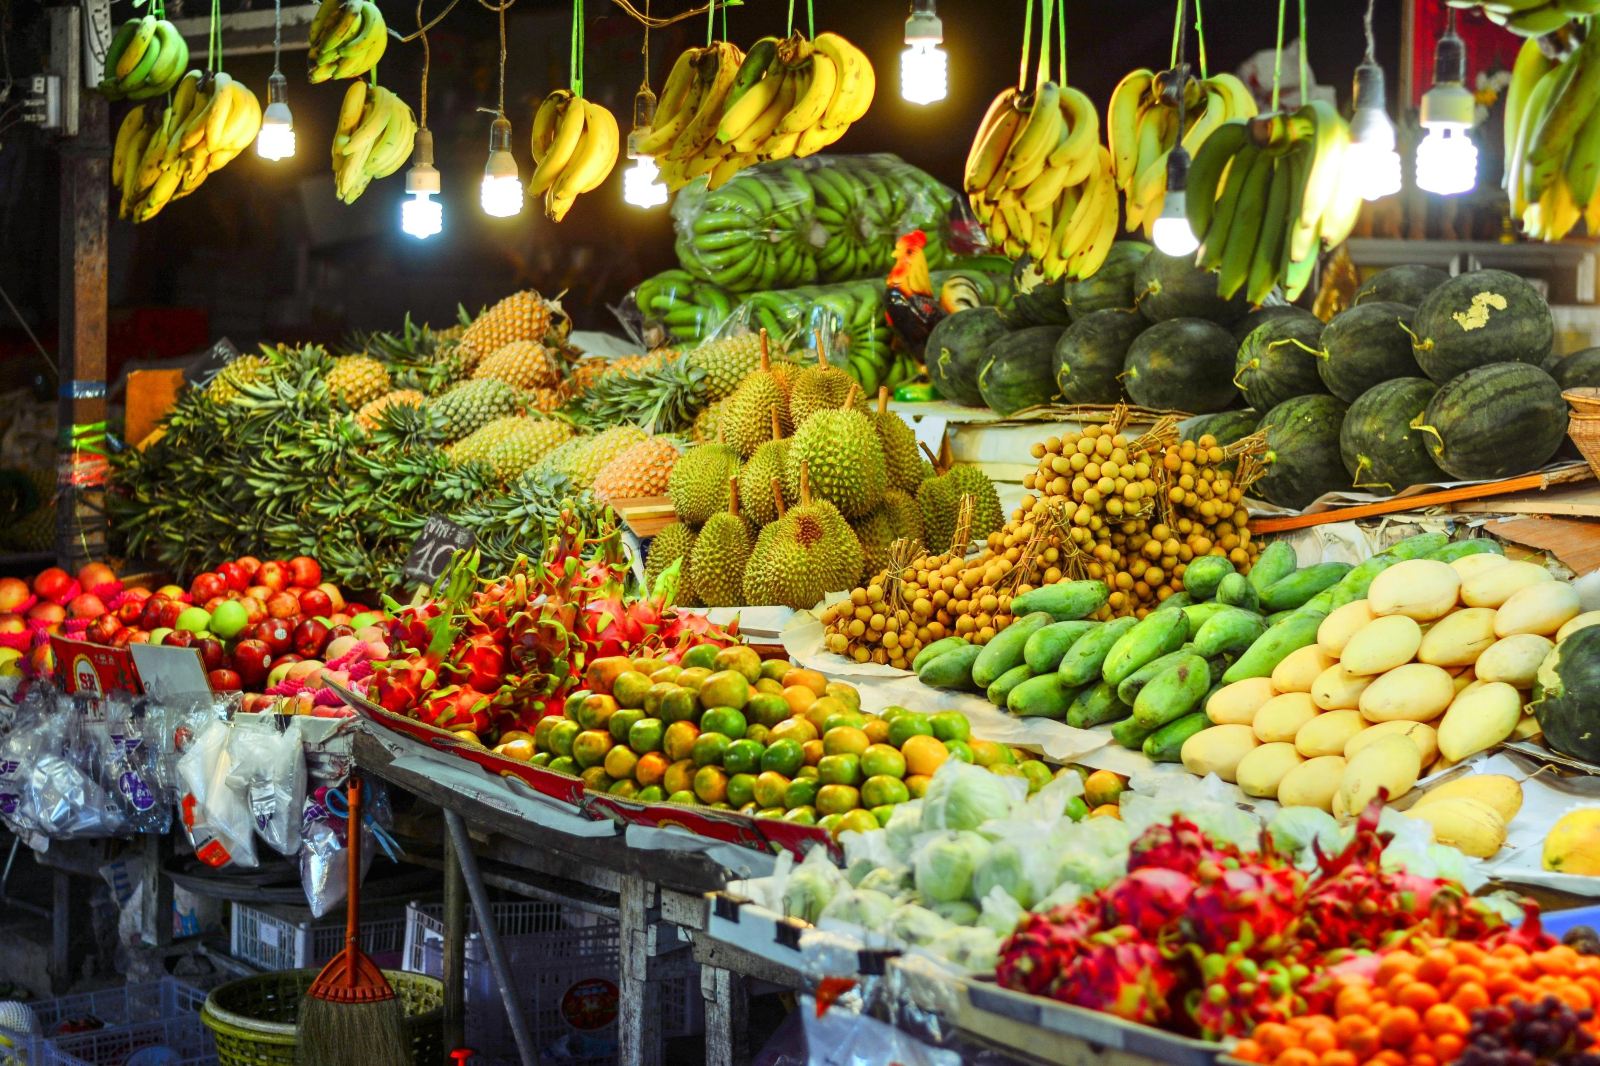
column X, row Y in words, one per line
column 1207, row 939
column 488, row 656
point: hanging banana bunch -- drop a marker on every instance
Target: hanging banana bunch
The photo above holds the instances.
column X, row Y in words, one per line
column 1530, row 18
column 1038, row 178
column 683, row 137
column 1263, row 192
column 575, row 144
column 348, row 38
column 146, row 59
column 791, row 97
column 1552, row 138
column 372, row 137
column 163, row 156
column 1142, row 130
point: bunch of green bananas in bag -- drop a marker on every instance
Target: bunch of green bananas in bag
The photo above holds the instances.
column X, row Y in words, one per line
column 798, row 222
column 678, row 307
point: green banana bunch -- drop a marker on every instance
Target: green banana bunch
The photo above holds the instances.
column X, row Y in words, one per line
column 675, row 304
column 1530, row 18
column 1552, row 138
column 1263, row 195
column 146, row 58
column 373, row 136
column 348, row 38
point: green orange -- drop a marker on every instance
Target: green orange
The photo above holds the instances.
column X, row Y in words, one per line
column 629, row 687
column 646, row 735
column 562, row 764
column 678, row 740
column 881, row 759
column 623, row 721
column 711, row 784
column 959, row 750
column 883, row 790
column 680, row 705
column 857, row 821
column 908, row 725
column 596, row 779
column 801, row 815
column 626, row 788
column 685, row 797
column 836, row 799
column 741, row 789
column 650, row 794
column 700, row 656
column 845, row 740
column 651, row 769
column 562, row 735
column 1037, row 773
column 679, row 776
column 784, row 755
column 596, row 711
column 767, row 709
column 950, row 725
column 728, row 721
column 743, row 757
column 620, row 762
column 770, row 787
column 793, row 729
column 802, row 792
column 839, row 769
column 541, row 732
column 589, row 748
column 709, row 748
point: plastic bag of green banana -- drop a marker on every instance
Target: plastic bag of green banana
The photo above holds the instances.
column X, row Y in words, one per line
column 804, row 221
column 672, row 308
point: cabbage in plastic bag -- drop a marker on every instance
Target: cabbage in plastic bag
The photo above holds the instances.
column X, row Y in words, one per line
column 812, row 886
column 1005, row 869
column 1293, row 829
column 1000, row 913
column 862, row 907
column 916, row 925
column 973, row 949
column 963, row 796
column 957, row 912
column 944, row 868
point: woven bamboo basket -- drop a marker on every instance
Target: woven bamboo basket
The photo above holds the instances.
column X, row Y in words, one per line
column 1583, row 426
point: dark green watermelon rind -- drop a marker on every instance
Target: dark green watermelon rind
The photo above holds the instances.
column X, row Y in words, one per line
column 1407, row 283
column 1019, row 370
column 1394, row 357
column 1091, row 353
column 1483, row 317
column 1162, row 375
column 1566, row 696
column 1362, row 439
column 956, row 376
column 1577, row 370
column 1267, row 378
column 1302, row 437
column 1506, row 444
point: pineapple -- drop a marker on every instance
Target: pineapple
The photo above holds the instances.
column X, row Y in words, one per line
column 510, row 445
column 523, row 364
column 472, row 405
column 601, row 449
column 224, row 388
column 726, row 362
column 420, row 358
column 661, row 392
column 367, row 416
column 357, row 379
column 640, row 471
column 547, row 400
column 522, row 316
column 559, row 462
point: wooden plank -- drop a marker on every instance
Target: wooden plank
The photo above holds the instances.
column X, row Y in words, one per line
column 727, row 1016
column 1576, row 543
column 1579, row 501
column 639, row 998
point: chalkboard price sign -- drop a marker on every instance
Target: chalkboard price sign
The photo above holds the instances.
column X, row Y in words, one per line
column 431, row 554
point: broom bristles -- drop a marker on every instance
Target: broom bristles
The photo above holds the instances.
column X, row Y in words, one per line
column 353, row 1034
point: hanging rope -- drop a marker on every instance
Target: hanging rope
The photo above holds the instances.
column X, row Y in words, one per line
column 711, row 22
column 1177, row 24
column 1046, row 15
column 632, row 12
column 214, row 38
column 1366, row 25
column 791, row 17
column 644, row 84
column 427, row 59
column 277, row 33
column 1277, row 57
column 577, row 48
column 1027, row 47
column 1061, row 49
column 1305, row 67
column 500, row 104
column 811, row 17
column 1183, row 59
column 1200, row 39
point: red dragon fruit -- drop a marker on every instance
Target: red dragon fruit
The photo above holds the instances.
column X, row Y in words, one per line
column 1256, row 902
column 478, row 662
column 1177, row 845
column 1237, row 993
column 1118, row 972
column 1032, row 957
column 1151, row 899
column 458, row 707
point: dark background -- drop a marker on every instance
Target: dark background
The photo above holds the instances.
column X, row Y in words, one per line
column 264, row 250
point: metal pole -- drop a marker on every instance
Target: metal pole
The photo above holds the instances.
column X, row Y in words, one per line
column 455, row 949
column 462, row 845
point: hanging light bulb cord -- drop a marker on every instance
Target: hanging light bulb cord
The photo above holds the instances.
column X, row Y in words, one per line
column 427, row 59
column 1366, row 25
column 277, row 33
column 1180, row 66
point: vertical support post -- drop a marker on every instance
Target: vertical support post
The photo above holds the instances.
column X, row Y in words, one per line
column 85, row 203
column 727, row 1016
column 639, row 1033
column 455, row 948
column 155, row 901
column 60, row 930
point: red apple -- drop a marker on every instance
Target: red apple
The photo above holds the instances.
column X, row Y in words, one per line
column 250, row 563
column 171, row 610
column 207, row 585
column 315, row 602
column 51, row 614
column 51, row 582
column 235, row 576
column 334, row 595
column 275, row 575
column 86, row 605
column 276, row 634
column 280, row 668
column 258, row 592
column 94, row 575
column 305, row 571
column 11, row 622
column 171, row 592
column 211, row 652
column 14, row 592
column 130, row 612
column 103, row 629
column 251, row 658
column 283, row 604
column 211, row 604
column 136, row 594
column 180, row 638
column 150, row 616
column 255, row 610
column 224, row 680
column 310, row 637
column 123, row 637
column 339, row 629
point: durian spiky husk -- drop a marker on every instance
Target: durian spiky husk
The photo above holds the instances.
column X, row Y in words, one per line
column 717, row 561
column 672, row 543
column 698, row 484
column 842, row 451
column 801, row 557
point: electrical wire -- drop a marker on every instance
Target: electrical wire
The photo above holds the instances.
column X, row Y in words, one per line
column 427, row 59
column 1366, row 22
column 49, row 363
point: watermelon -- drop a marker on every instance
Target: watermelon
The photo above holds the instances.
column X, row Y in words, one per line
column 1486, row 316
column 955, row 351
column 1578, row 370
column 1364, row 346
column 1089, row 356
column 1168, row 286
column 1181, row 364
column 1247, row 324
column 1406, row 284
column 1225, row 426
column 1035, row 301
column 1495, row 421
column 1379, row 447
column 1278, row 360
column 1302, row 457
column 1109, row 287
column 1019, row 369
column 1566, row 695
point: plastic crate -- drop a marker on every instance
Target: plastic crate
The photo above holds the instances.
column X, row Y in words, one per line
column 288, row 938
column 567, row 965
column 152, row 1013
column 146, row 1001
column 185, row 1036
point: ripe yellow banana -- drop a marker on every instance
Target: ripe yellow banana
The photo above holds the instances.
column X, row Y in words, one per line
column 544, row 121
column 983, row 157
column 569, row 132
column 754, row 136
column 1040, row 135
column 591, row 163
column 750, row 107
column 1076, row 152
column 352, row 108
column 1123, row 121
column 809, row 106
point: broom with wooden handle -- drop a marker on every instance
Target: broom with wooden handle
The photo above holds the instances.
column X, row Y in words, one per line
column 350, row 1016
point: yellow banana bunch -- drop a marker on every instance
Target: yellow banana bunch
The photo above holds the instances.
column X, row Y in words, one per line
column 1531, row 18
column 683, row 136
column 575, row 144
column 1263, row 193
column 1142, row 130
column 1041, row 183
column 347, row 39
column 1552, row 138
column 146, row 58
column 372, row 137
column 163, row 156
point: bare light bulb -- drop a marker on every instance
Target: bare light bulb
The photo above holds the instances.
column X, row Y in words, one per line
column 1172, row 233
column 420, row 215
column 1447, row 160
column 1371, row 163
column 924, row 68
column 641, row 186
column 276, row 139
column 501, row 193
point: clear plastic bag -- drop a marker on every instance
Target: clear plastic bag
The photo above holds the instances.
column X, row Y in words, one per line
column 674, row 308
column 110, row 740
column 270, row 766
column 19, row 751
column 63, row 800
column 802, row 221
column 216, row 813
column 324, row 834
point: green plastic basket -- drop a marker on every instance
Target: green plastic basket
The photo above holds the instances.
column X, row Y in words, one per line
column 254, row 1019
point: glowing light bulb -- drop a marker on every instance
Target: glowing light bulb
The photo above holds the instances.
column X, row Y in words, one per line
column 924, row 68
column 640, row 184
column 420, row 215
column 1172, row 232
column 276, row 139
column 501, row 193
column 1447, row 160
column 1370, row 162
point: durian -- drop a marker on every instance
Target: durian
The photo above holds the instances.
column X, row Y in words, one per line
column 720, row 554
column 845, row 459
column 747, row 416
column 896, row 518
column 808, row 552
column 940, row 501
column 902, row 460
column 698, row 483
column 823, row 387
column 756, row 476
column 672, row 543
